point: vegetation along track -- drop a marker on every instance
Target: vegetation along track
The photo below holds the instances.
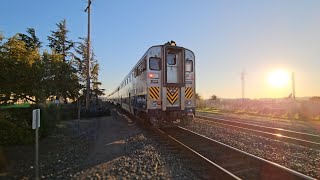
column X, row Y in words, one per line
column 304, row 139
column 229, row 162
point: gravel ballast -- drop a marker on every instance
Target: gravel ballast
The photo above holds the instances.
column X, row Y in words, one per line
column 307, row 126
column 299, row 158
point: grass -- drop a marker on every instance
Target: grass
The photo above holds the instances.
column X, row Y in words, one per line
column 24, row 105
column 286, row 115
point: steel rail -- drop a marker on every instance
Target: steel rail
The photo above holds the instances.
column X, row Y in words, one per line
column 239, row 163
column 304, row 139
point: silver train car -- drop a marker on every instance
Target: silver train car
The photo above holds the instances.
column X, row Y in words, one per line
column 161, row 86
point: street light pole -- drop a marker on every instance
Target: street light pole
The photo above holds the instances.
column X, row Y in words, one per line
column 88, row 59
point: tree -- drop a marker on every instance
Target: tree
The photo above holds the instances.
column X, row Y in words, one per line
column 17, row 70
column 33, row 77
column 96, row 91
column 80, row 62
column 60, row 78
column 32, row 41
column 198, row 96
column 1, row 37
column 58, row 41
column 214, row 97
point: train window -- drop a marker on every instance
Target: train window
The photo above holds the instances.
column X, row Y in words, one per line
column 154, row 64
column 189, row 66
column 142, row 67
column 144, row 64
column 171, row 59
column 135, row 72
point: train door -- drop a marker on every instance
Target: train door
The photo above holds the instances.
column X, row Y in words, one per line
column 172, row 68
column 174, row 78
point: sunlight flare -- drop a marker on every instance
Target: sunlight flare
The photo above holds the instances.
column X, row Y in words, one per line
column 279, row 78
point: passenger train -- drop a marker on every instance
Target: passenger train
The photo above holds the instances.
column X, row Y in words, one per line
column 160, row 88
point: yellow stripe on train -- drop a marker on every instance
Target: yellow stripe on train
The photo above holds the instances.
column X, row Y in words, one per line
column 188, row 92
column 172, row 94
column 154, row 93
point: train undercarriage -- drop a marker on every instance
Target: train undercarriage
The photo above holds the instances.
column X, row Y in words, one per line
column 170, row 118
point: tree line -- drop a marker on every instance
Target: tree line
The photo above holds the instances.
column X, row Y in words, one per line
column 32, row 73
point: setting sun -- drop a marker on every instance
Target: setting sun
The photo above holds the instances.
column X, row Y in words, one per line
column 278, row 78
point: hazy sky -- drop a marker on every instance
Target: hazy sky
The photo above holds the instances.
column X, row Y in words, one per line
column 227, row 36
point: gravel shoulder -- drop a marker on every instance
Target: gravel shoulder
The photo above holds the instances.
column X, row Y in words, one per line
column 107, row 148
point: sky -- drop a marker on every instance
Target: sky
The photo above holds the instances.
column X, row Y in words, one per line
column 227, row 37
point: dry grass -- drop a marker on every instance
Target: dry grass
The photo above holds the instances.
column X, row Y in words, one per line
column 276, row 114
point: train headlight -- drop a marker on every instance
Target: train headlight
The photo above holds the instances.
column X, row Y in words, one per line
column 153, row 75
column 154, row 104
column 188, row 103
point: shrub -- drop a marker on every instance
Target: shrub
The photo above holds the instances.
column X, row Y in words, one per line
column 16, row 125
column 12, row 134
column 3, row 161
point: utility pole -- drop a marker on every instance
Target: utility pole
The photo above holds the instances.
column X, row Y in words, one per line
column 243, row 73
column 88, row 59
column 293, row 87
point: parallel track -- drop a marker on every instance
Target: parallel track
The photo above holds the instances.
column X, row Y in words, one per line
column 304, row 139
column 227, row 162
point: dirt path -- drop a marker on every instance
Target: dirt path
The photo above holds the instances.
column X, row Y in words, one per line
column 110, row 140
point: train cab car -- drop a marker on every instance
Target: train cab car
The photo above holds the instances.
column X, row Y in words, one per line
column 161, row 86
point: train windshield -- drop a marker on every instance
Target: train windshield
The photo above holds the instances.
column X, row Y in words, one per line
column 154, row 64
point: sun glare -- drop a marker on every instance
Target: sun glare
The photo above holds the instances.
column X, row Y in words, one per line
column 278, row 78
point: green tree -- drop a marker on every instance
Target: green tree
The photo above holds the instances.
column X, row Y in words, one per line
column 31, row 41
column 1, row 37
column 17, row 68
column 59, row 42
column 214, row 97
column 95, row 89
column 25, row 74
column 198, row 96
column 80, row 60
column 59, row 78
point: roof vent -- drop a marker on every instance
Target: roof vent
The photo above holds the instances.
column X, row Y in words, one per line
column 171, row 43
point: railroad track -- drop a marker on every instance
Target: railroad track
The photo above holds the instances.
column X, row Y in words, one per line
column 226, row 162
column 304, row 139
